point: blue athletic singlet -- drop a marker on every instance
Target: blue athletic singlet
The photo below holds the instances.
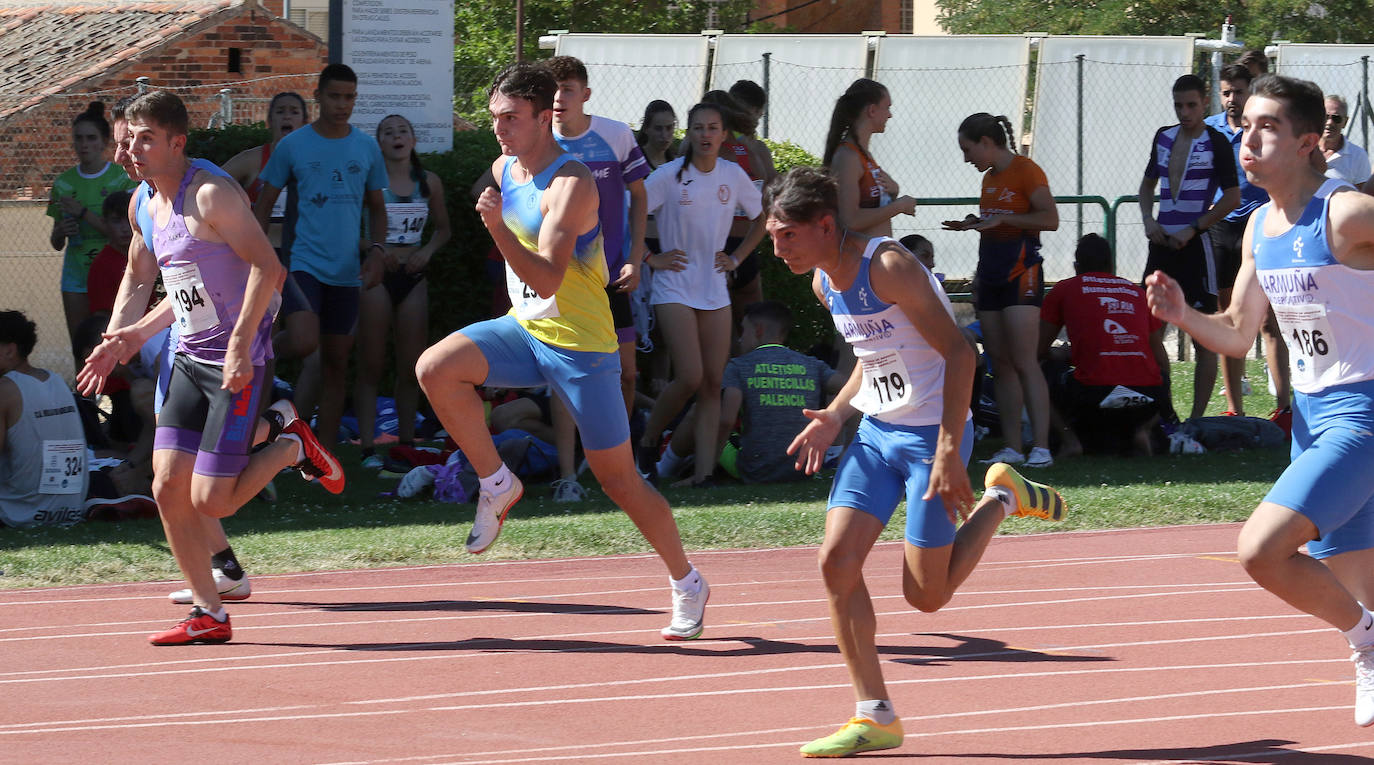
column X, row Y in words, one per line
column 578, row 315
column 903, row 377
column 1322, row 306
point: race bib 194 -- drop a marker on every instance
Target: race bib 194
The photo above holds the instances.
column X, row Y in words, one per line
column 191, row 302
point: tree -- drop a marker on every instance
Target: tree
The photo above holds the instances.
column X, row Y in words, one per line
column 485, row 32
column 1258, row 22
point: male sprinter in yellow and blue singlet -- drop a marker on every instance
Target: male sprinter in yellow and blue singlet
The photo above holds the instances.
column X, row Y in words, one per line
column 559, row 333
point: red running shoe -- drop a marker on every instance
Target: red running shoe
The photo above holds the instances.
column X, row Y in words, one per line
column 199, row 627
column 317, row 463
column 1283, row 417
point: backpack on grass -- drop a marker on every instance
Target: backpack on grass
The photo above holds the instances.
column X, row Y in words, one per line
column 1234, row 433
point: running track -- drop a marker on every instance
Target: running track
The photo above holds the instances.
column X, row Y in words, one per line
column 1133, row 646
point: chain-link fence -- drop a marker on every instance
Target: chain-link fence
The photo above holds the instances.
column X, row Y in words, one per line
column 1084, row 108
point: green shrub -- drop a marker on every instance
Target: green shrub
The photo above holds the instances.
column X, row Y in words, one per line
column 811, row 322
column 459, row 288
column 461, row 280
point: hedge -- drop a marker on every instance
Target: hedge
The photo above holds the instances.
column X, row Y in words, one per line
column 462, row 280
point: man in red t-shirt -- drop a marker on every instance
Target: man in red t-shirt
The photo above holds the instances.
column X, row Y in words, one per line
column 1114, row 386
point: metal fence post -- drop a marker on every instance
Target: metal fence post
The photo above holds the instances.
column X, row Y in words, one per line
column 1364, row 92
column 1078, row 189
column 142, row 84
column 226, row 106
column 767, row 65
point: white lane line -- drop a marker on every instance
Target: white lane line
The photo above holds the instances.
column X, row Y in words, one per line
column 164, row 722
column 1271, row 754
column 469, row 652
column 550, row 754
column 71, row 631
column 460, row 567
column 240, row 658
column 468, row 584
column 666, row 680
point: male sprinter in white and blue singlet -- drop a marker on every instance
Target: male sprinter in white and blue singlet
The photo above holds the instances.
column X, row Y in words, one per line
column 912, row 383
column 1308, row 252
column 559, row 333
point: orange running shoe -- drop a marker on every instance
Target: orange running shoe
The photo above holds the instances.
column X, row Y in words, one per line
column 317, row 463
column 199, row 627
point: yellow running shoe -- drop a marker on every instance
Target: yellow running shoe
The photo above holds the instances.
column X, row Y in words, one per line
column 860, row 734
column 1032, row 499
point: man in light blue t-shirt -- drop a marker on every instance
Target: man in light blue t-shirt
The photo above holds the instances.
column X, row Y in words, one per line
column 334, row 171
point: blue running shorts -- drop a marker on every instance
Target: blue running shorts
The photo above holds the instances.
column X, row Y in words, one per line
column 588, row 382
column 883, row 462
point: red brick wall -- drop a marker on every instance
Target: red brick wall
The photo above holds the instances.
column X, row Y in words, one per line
column 36, row 145
column 832, row 16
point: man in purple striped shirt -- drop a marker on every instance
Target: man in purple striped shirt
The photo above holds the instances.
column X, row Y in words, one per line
column 1190, row 162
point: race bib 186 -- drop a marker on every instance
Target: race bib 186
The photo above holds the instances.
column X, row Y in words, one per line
column 1311, row 346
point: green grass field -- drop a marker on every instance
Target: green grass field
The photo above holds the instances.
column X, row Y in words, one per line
column 310, row 530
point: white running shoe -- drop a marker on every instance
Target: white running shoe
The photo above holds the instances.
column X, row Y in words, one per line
column 285, row 408
column 689, row 613
column 1005, row 454
column 1364, row 686
column 567, row 490
column 1039, row 458
column 492, row 507
column 229, row 589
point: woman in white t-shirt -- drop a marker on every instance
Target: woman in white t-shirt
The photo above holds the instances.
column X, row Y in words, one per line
column 693, row 199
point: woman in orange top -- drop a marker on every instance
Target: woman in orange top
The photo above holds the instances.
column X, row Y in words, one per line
column 1015, row 206
column 868, row 196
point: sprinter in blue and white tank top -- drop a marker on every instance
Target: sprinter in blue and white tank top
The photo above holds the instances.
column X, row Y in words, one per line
column 1309, row 253
column 912, row 384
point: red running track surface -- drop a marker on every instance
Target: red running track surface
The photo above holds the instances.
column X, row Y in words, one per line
column 1146, row 645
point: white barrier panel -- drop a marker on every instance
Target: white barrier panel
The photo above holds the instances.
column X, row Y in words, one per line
column 626, row 71
column 1127, row 85
column 1339, row 70
column 806, row 74
column 935, row 83
column 402, row 51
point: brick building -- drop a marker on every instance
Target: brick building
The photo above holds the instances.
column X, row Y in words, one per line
column 58, row 55
column 849, row 16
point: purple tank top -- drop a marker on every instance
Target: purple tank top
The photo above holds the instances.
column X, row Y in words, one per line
column 206, row 282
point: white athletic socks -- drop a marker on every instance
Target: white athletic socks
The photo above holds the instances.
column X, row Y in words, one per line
column 1362, row 634
column 496, row 482
column 1002, row 494
column 689, row 583
column 879, row 711
column 218, row 614
column 669, row 462
column 300, row 447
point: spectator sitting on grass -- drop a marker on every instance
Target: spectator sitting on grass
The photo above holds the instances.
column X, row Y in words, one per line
column 768, row 385
column 1108, row 398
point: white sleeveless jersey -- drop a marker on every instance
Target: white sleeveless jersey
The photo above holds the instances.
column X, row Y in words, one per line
column 1323, row 307
column 43, row 478
column 903, row 377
